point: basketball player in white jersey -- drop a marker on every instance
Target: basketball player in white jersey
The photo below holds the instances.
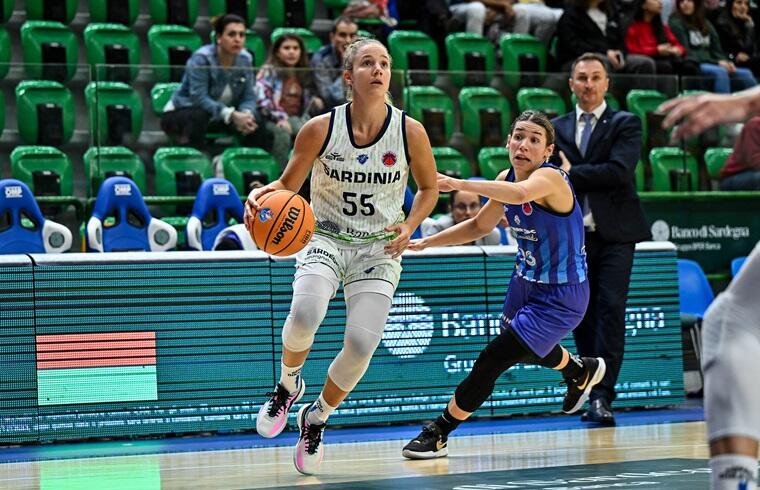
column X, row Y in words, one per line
column 359, row 155
column 731, row 327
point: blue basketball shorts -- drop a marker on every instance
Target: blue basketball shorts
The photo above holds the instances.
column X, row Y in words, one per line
column 543, row 314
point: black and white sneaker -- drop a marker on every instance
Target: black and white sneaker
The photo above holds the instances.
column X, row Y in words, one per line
column 578, row 389
column 429, row 444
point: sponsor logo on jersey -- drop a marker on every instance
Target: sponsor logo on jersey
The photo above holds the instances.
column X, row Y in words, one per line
column 389, row 159
column 362, row 159
column 265, row 215
column 335, row 156
column 361, row 177
column 527, row 208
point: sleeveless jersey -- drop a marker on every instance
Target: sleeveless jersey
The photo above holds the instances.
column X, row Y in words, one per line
column 551, row 245
column 356, row 191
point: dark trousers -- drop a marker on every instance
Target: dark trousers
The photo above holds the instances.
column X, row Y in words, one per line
column 602, row 331
column 188, row 127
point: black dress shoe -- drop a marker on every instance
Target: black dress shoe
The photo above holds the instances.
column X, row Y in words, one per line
column 599, row 412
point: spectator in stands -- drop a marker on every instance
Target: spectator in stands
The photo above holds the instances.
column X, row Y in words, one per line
column 737, row 35
column 701, row 40
column 464, row 205
column 328, row 62
column 285, row 93
column 599, row 148
column 595, row 26
column 742, row 169
column 216, row 91
column 649, row 37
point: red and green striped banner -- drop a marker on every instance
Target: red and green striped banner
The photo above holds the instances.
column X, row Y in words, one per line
column 96, row 368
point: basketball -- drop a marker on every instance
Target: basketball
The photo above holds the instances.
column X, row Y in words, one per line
column 284, row 224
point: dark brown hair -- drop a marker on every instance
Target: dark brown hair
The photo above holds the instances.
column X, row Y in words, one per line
column 536, row 117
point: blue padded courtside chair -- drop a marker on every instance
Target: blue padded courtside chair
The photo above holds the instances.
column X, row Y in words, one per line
column 736, row 265
column 216, row 203
column 121, row 221
column 23, row 228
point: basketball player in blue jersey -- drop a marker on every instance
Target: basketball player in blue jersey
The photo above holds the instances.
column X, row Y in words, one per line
column 731, row 327
column 548, row 293
column 360, row 156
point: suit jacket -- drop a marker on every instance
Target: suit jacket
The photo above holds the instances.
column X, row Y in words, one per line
column 607, row 173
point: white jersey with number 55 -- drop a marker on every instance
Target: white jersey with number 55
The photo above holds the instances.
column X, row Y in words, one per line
column 356, row 191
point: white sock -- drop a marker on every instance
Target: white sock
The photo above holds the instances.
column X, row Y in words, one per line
column 290, row 377
column 319, row 411
column 733, row 472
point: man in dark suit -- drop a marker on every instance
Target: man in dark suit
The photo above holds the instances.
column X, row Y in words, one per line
column 599, row 149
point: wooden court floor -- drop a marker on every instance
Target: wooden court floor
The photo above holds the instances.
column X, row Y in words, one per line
column 666, row 455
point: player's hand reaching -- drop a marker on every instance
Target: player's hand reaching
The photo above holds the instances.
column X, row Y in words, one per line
column 446, row 183
column 252, row 203
column 397, row 246
column 417, row 245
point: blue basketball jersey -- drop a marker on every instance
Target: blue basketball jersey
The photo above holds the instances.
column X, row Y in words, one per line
column 551, row 246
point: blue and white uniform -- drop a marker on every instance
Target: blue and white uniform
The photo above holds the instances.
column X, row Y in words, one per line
column 548, row 294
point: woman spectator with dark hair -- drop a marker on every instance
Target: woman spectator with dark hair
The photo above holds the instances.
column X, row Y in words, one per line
column 285, row 93
column 649, row 37
column 216, row 91
column 737, row 35
column 595, row 26
column 701, row 40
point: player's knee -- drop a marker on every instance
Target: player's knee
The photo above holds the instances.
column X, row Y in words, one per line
column 306, row 314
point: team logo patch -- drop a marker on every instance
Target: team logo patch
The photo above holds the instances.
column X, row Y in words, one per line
column 265, row 215
column 389, row 159
column 527, row 209
column 362, row 159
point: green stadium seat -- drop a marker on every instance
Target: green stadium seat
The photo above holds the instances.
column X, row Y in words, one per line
column 471, row 59
column 243, row 166
column 6, row 10
column 434, row 109
column 673, row 170
column 50, row 50
column 180, row 171
column 160, row 95
column 116, row 113
column 55, row 10
column 715, row 158
column 492, row 161
column 290, row 13
column 643, row 103
column 170, row 47
column 486, row 115
column 310, row 40
column 117, row 11
column 45, row 112
column 46, row 170
column 521, row 53
column 452, row 163
column 101, row 162
column 115, row 45
column 244, row 8
column 608, row 97
column 414, row 50
column 177, row 12
column 5, row 52
column 254, row 44
column 541, row 99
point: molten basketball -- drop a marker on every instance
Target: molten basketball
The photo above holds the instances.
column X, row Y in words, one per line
column 284, row 223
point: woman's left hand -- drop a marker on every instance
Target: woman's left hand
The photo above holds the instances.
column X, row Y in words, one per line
column 397, row 246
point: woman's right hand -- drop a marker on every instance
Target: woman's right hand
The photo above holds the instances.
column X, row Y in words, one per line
column 417, row 245
column 252, row 203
